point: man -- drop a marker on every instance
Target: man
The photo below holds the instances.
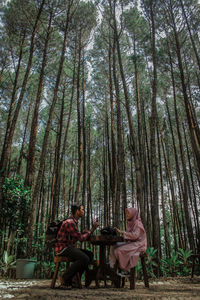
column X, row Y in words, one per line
column 67, row 237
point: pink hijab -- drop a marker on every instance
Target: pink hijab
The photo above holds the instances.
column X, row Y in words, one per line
column 135, row 220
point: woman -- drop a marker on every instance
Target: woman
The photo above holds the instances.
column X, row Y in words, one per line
column 127, row 253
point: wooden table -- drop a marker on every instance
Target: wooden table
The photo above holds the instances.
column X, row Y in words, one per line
column 103, row 241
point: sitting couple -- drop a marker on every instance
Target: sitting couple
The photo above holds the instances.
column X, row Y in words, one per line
column 126, row 254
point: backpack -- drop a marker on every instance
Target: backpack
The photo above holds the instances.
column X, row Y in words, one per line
column 52, row 231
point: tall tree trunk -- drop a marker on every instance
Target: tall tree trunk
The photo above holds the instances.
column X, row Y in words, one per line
column 194, row 204
column 9, row 137
column 46, row 135
column 105, row 172
column 133, row 143
column 23, row 142
column 5, row 149
column 80, row 146
column 166, row 231
column 60, row 162
column 42, row 215
column 172, row 191
column 57, row 170
column 194, row 132
column 153, row 149
column 185, row 182
column 113, row 146
column 141, row 126
column 84, row 143
column 89, row 192
column 11, row 108
column 30, row 169
column 119, row 143
column 190, row 33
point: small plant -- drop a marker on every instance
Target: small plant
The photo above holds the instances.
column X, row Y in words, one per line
column 171, row 265
column 7, row 262
column 151, row 261
column 184, row 256
column 139, row 270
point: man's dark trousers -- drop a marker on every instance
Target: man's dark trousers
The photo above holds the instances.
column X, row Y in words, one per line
column 80, row 258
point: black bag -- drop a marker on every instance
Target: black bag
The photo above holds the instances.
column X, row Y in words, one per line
column 51, row 232
column 108, row 231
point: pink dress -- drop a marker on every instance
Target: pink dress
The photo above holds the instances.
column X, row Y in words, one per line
column 128, row 253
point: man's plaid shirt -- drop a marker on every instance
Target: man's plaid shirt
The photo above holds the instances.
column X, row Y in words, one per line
column 69, row 234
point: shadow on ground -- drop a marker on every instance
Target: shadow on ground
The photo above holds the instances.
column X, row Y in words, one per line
column 162, row 288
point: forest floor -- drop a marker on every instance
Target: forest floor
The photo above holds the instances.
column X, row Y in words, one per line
column 162, row 288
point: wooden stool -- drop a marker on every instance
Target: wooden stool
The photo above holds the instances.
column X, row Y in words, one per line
column 132, row 278
column 194, row 256
column 57, row 261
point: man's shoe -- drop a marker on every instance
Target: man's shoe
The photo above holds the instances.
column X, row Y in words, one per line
column 65, row 287
column 76, row 282
column 63, row 284
column 61, row 279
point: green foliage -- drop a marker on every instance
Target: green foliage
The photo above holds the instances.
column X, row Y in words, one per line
column 184, row 255
column 178, row 264
column 16, row 199
column 139, row 270
column 45, row 269
column 185, row 262
column 151, row 260
column 169, row 265
column 6, row 263
column 22, row 9
column 150, row 263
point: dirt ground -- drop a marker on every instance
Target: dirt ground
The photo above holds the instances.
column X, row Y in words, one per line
column 163, row 288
